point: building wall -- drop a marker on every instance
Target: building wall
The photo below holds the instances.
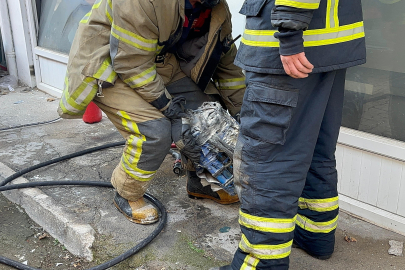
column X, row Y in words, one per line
column 22, row 43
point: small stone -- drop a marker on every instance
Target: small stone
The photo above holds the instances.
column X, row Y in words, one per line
column 396, row 248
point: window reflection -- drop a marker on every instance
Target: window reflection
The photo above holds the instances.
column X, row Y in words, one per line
column 58, row 22
column 375, row 91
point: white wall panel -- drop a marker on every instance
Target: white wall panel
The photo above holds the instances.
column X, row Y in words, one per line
column 401, row 200
column 370, row 178
column 372, row 186
column 53, row 72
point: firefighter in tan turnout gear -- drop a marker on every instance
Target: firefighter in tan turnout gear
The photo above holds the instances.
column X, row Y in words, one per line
column 142, row 62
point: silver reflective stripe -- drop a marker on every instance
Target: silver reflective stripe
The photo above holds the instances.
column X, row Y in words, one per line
column 304, row 4
column 133, row 39
column 316, row 227
column 266, row 224
column 344, row 33
column 142, row 176
column 231, row 84
column 332, row 19
column 249, row 263
column 319, row 205
column 108, row 75
column 133, row 150
column 141, row 79
column 317, row 37
column 266, row 252
column 86, row 92
column 68, row 107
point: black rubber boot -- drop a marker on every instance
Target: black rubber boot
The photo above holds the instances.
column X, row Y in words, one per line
column 322, row 257
column 196, row 190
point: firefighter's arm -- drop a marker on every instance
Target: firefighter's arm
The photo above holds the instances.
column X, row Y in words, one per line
column 133, row 47
column 230, row 81
column 292, row 18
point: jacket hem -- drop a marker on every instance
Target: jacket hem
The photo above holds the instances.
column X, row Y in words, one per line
column 315, row 70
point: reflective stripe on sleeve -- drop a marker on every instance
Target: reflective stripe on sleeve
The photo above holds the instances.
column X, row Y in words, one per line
column 312, row 38
column 106, row 72
column 87, row 16
column 231, row 84
column 249, row 263
column 133, row 39
column 142, row 78
column 133, row 150
column 316, row 227
column 108, row 11
column 76, row 102
column 319, row 205
column 304, row 4
column 274, row 225
column 266, row 252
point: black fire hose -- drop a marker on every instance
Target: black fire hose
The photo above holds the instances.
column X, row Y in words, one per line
column 110, row 263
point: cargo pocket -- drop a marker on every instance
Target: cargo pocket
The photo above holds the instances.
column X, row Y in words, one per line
column 267, row 112
column 251, row 8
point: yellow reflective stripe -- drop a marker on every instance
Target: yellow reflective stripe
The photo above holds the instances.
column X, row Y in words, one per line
column 274, row 225
column 332, row 19
column 249, row 263
column 335, row 13
column 319, row 205
column 133, row 39
column 133, row 150
column 77, row 101
column 87, row 16
column 266, row 252
column 106, row 72
column 233, row 84
column 317, row 37
column 108, row 10
column 142, row 78
column 307, row 4
column 316, row 227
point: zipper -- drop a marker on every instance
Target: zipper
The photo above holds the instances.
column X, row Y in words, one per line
column 100, row 89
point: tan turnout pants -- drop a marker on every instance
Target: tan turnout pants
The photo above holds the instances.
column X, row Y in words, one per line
column 146, row 131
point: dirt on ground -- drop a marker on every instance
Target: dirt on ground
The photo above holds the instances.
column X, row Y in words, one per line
column 22, row 240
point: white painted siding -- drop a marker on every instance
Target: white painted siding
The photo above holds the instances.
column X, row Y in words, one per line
column 372, row 179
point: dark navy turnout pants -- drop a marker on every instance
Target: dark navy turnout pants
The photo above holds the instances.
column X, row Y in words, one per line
column 285, row 167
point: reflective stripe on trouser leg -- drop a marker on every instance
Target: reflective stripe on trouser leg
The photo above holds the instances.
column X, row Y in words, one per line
column 147, row 135
column 319, row 201
column 280, row 125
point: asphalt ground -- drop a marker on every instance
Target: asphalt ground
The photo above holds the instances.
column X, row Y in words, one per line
column 199, row 233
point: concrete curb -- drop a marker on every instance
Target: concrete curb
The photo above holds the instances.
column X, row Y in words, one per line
column 78, row 238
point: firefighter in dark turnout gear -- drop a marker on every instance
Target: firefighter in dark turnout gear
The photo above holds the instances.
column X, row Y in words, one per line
column 295, row 53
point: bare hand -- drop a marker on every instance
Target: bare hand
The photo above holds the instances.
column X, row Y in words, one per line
column 297, row 65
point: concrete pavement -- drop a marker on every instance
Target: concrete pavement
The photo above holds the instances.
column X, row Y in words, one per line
column 199, row 234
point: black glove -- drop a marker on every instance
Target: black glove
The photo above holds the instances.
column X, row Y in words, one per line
column 175, row 110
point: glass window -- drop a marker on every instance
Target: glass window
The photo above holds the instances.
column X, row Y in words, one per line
column 375, row 91
column 58, row 22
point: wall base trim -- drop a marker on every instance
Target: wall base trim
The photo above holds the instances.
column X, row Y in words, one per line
column 373, row 214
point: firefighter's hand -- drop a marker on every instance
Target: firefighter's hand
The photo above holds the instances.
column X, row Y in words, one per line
column 297, row 65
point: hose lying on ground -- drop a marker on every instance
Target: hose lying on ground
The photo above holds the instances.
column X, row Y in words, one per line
column 33, row 124
column 110, row 263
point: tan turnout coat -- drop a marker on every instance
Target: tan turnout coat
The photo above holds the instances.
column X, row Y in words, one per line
column 121, row 38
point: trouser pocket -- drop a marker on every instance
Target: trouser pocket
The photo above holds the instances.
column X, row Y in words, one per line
column 267, row 111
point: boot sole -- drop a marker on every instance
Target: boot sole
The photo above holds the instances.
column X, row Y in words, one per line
column 202, row 196
column 137, row 221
